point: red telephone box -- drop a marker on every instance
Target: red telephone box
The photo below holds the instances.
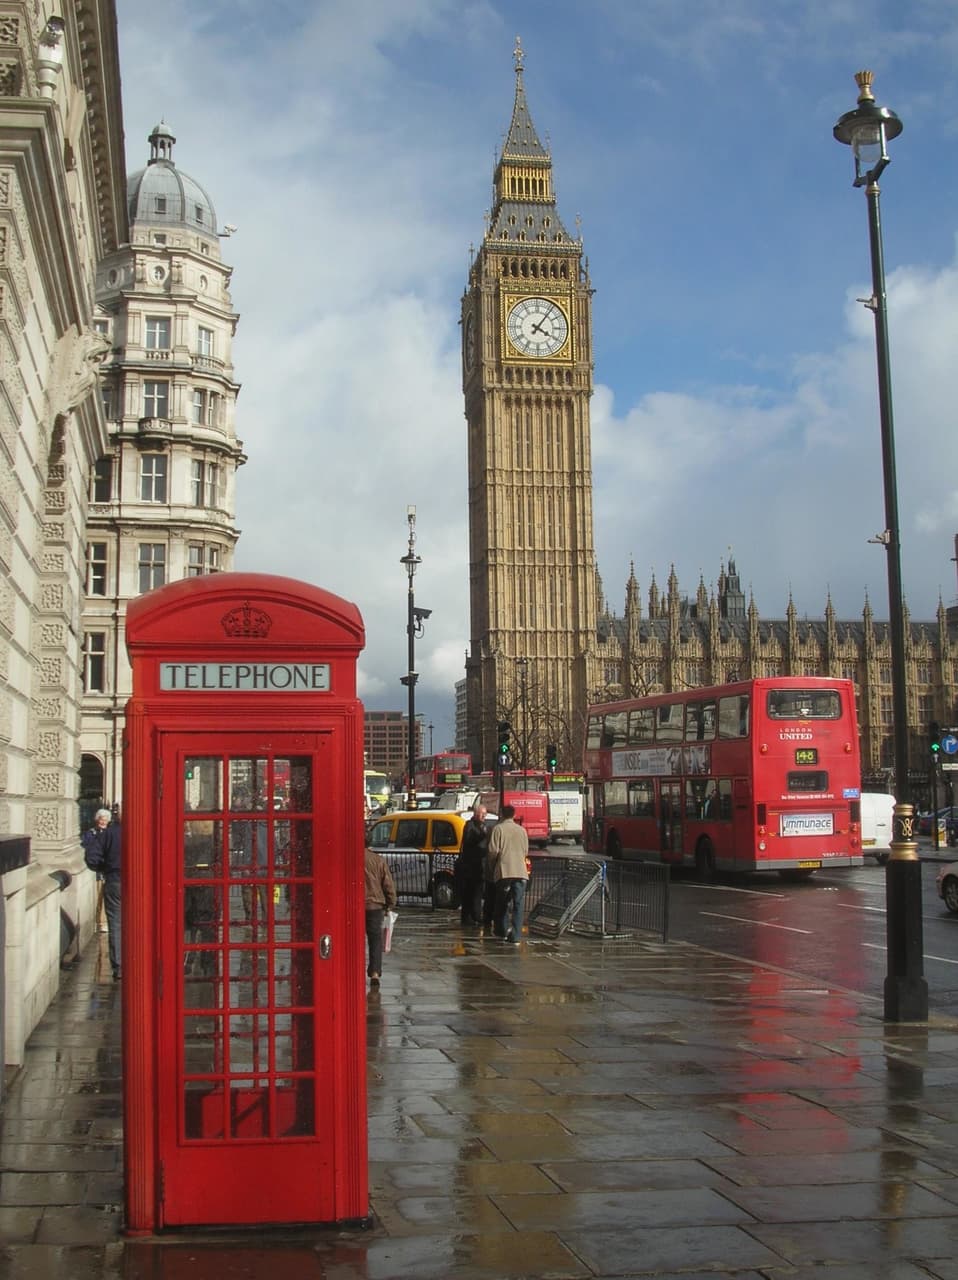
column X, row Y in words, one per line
column 243, row 989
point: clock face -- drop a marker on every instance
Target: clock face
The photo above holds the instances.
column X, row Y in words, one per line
column 469, row 342
column 537, row 327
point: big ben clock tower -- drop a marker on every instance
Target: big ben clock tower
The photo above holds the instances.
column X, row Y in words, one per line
column 527, row 381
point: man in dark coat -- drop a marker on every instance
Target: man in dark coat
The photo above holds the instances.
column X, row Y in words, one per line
column 101, row 851
column 469, row 864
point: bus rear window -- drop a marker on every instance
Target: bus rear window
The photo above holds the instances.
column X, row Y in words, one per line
column 804, row 704
column 817, row 781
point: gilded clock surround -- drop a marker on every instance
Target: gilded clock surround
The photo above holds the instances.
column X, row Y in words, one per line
column 512, row 350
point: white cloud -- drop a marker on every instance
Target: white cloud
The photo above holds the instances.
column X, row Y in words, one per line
column 793, row 481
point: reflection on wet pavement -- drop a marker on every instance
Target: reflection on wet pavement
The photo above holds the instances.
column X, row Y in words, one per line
column 568, row 1108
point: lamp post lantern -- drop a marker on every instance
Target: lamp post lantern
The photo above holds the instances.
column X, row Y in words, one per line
column 414, row 620
column 868, row 130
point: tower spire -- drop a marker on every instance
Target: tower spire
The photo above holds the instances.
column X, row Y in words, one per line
column 524, row 195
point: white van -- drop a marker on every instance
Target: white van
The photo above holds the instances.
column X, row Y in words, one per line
column 877, row 810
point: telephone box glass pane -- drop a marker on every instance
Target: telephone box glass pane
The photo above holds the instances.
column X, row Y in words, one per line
column 204, row 1109
column 202, row 914
column 294, row 1041
column 293, row 977
column 300, row 783
column 248, row 777
column 249, row 854
column 249, row 1042
column 293, row 847
column 202, row 848
column 295, row 1107
column 203, row 1044
column 294, row 913
column 247, row 993
column 202, row 784
column 201, row 989
column 249, row 1108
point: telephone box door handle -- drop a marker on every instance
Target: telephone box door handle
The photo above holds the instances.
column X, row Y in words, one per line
column 325, row 946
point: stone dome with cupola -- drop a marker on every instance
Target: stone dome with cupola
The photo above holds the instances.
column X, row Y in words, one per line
column 163, row 195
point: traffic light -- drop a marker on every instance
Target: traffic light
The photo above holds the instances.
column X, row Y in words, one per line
column 552, row 757
column 504, row 729
column 934, row 739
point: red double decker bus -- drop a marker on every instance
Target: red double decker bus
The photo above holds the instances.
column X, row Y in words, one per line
column 444, row 771
column 758, row 775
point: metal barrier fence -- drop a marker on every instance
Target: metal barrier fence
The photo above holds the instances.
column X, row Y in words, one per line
column 419, row 875
column 589, row 895
column 577, row 893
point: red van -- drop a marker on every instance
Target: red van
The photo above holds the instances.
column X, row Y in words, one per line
column 532, row 811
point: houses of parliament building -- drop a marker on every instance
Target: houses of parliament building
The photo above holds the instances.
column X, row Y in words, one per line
column 679, row 641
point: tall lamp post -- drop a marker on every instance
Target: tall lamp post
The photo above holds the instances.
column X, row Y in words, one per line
column 523, row 665
column 867, row 130
column 414, row 620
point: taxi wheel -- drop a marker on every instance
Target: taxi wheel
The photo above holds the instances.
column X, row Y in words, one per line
column 949, row 894
column 444, row 891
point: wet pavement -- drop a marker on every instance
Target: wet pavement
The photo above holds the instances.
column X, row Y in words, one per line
column 566, row 1108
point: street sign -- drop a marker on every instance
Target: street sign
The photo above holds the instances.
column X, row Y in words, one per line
column 949, row 744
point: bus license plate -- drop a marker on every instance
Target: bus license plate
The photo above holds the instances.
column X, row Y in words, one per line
column 808, row 863
column 806, row 824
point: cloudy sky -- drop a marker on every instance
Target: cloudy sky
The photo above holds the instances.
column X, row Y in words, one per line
column 352, row 143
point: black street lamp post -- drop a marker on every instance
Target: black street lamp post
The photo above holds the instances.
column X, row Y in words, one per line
column 523, row 665
column 867, row 130
column 414, row 620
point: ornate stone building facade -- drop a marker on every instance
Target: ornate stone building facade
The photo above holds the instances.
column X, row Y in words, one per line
column 163, row 491
column 682, row 642
column 62, row 184
column 527, row 381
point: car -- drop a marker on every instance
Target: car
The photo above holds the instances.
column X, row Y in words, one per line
column 435, row 835
column 946, row 815
column 948, row 886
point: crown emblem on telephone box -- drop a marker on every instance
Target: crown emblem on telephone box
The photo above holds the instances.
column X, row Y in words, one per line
column 245, row 622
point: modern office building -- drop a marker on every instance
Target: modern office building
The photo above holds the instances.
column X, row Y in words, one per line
column 386, row 742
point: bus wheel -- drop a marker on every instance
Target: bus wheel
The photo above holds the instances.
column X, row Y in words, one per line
column 613, row 846
column 796, row 873
column 705, row 859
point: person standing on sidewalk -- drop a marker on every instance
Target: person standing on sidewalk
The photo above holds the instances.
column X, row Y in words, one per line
column 101, row 852
column 508, row 850
column 380, row 898
column 469, row 866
